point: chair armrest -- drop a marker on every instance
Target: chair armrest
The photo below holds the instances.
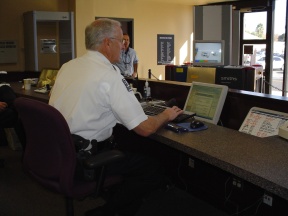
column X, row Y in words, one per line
column 103, row 158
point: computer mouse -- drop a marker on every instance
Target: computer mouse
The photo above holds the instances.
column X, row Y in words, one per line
column 196, row 124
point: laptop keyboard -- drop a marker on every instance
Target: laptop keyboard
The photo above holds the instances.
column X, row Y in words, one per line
column 182, row 117
column 153, row 110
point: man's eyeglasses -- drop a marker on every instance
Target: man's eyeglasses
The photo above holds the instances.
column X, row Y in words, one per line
column 120, row 40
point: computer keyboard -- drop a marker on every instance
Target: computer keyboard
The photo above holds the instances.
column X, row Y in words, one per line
column 153, row 110
column 182, row 117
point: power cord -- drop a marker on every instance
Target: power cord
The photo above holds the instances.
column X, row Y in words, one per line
column 228, row 195
column 258, row 202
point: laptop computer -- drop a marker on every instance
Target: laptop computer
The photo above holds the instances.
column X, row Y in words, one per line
column 204, row 101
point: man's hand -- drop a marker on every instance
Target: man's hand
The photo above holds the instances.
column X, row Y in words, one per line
column 134, row 74
column 153, row 123
column 173, row 112
column 3, row 105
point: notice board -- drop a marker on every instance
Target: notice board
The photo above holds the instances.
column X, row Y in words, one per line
column 165, row 49
column 263, row 122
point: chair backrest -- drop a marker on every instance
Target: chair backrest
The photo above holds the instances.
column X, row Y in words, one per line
column 50, row 155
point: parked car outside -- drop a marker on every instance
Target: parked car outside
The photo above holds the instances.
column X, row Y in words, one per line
column 278, row 62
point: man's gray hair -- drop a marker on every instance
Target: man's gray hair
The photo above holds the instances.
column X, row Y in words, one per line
column 98, row 30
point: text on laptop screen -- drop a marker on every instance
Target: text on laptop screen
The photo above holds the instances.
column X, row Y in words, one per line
column 206, row 100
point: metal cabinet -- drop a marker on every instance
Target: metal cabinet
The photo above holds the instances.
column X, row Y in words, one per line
column 48, row 39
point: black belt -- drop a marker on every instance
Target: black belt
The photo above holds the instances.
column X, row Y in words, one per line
column 105, row 144
column 81, row 144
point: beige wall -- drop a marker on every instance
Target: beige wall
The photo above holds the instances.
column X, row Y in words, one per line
column 11, row 23
column 150, row 19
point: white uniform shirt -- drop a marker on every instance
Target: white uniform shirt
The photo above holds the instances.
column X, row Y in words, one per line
column 128, row 59
column 93, row 96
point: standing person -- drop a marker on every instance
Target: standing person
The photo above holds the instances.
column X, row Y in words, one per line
column 128, row 64
column 93, row 96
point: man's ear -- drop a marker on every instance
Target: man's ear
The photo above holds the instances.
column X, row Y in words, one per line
column 107, row 42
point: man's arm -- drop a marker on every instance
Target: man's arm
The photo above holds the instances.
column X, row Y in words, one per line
column 135, row 67
column 3, row 105
column 153, row 123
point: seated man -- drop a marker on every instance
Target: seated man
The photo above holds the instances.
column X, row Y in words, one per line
column 93, row 96
column 8, row 114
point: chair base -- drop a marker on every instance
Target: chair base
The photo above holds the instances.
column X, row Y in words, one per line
column 69, row 207
column 2, row 161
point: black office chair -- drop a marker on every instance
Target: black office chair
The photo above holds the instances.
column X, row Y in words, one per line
column 50, row 156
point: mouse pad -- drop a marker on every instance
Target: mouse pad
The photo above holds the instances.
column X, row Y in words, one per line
column 187, row 126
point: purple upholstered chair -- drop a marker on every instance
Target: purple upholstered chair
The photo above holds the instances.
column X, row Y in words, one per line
column 50, row 156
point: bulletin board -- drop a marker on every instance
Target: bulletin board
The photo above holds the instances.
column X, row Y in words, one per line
column 165, row 49
column 262, row 122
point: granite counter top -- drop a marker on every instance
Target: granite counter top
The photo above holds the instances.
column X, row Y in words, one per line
column 261, row 161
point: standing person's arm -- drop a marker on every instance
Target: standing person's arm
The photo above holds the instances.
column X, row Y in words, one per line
column 135, row 66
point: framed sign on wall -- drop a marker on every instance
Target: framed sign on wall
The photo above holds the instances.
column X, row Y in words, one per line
column 165, row 49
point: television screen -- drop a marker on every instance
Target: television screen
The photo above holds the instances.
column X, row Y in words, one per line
column 208, row 52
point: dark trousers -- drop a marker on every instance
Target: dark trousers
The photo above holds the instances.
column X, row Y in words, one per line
column 8, row 119
column 9, row 116
column 141, row 176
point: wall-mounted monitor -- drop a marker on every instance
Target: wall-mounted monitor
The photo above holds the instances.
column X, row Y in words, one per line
column 208, row 52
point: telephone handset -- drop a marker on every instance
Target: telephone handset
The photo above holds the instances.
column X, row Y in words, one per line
column 283, row 130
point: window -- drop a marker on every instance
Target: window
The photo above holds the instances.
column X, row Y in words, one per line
column 278, row 49
column 265, row 33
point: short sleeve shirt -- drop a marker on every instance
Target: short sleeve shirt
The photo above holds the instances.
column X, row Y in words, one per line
column 128, row 59
column 93, row 96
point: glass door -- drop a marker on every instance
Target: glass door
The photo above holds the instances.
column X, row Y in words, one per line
column 263, row 43
column 254, row 42
column 278, row 61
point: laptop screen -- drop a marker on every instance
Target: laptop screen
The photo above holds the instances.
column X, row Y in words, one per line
column 206, row 100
